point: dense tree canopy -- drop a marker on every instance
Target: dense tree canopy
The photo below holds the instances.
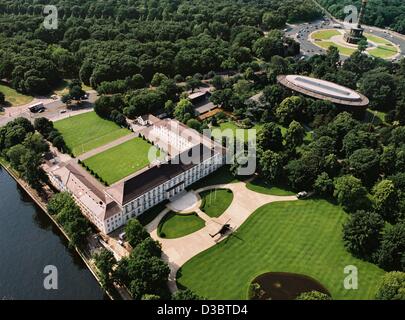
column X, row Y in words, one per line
column 392, row 287
column 381, row 13
column 107, row 43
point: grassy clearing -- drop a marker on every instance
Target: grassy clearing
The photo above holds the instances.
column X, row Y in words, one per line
column 261, row 186
column 63, row 89
column 343, row 50
column 228, row 129
column 325, row 34
column 120, row 161
column 88, row 131
column 175, row 225
column 374, row 116
column 215, row 202
column 14, row 98
column 300, row 237
column 377, row 39
column 383, row 52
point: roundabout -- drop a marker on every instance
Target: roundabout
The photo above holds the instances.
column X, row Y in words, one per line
column 377, row 46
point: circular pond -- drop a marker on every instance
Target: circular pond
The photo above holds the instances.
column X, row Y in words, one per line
column 283, row 286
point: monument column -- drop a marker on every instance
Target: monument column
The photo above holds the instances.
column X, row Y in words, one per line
column 355, row 35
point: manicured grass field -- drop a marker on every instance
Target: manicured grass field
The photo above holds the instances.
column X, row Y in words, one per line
column 343, row 50
column 325, row 34
column 175, row 225
column 377, row 40
column 383, row 52
column 88, row 131
column 261, row 186
column 215, row 202
column 14, row 98
column 300, row 237
column 120, row 161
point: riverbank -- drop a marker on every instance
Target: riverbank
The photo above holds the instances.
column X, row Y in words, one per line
column 43, row 206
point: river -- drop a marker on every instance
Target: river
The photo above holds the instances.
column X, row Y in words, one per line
column 28, row 243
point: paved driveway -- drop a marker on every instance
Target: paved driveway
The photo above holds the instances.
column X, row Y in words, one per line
column 178, row 251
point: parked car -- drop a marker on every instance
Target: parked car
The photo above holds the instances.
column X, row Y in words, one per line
column 120, row 242
column 302, row 194
column 63, row 111
column 39, row 107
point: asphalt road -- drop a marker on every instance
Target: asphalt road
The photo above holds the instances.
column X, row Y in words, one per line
column 53, row 110
column 301, row 32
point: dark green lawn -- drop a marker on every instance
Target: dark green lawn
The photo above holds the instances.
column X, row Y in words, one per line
column 215, row 202
column 88, row 131
column 176, row 225
column 120, row 161
column 261, row 186
column 221, row 176
column 149, row 215
column 299, row 236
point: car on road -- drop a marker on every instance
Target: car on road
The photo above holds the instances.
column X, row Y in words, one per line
column 63, row 111
column 37, row 108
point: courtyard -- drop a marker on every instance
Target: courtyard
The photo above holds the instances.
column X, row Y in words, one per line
column 120, row 161
column 88, row 131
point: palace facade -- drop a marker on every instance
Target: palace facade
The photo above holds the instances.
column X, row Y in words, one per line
column 189, row 157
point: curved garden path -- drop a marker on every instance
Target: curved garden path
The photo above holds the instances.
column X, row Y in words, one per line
column 178, row 251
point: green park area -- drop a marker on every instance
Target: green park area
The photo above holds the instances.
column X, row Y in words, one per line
column 384, row 49
column 326, row 34
column 88, row 131
column 63, row 89
column 228, row 129
column 120, row 161
column 13, row 98
column 303, row 237
column 176, row 225
column 215, row 202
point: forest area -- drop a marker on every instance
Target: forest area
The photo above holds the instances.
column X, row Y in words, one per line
column 380, row 13
column 100, row 41
column 147, row 56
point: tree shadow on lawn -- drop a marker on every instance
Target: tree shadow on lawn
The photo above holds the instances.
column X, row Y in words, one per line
column 260, row 185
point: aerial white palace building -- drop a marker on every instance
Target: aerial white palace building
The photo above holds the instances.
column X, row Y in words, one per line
column 189, row 156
